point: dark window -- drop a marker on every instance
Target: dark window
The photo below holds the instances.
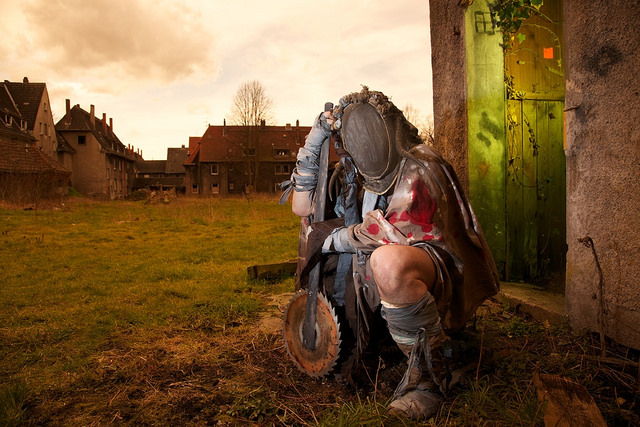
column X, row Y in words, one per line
column 281, row 152
column 82, row 140
column 283, row 169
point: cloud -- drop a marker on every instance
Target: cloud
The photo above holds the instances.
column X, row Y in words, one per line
column 114, row 44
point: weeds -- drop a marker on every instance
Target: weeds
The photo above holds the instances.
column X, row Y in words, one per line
column 12, row 404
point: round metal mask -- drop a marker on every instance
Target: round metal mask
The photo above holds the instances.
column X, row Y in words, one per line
column 370, row 140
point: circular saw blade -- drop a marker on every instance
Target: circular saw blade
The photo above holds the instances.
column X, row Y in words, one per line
column 318, row 362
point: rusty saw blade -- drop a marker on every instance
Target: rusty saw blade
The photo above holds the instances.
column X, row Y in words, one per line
column 319, row 361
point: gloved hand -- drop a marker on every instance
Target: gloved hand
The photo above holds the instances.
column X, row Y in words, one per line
column 307, row 161
column 311, row 250
column 305, row 175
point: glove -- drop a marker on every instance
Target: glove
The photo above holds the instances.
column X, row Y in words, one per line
column 305, row 174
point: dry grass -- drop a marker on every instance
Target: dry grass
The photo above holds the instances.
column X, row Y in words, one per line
column 132, row 314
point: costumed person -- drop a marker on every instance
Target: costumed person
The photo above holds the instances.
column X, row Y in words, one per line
column 417, row 254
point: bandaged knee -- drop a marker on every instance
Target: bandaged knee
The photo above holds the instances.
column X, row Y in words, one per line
column 406, row 321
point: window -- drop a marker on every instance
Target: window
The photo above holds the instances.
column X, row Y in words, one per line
column 194, row 188
column 283, row 169
column 252, row 151
column 215, row 189
column 82, row 140
column 214, row 169
column 281, row 152
column 231, row 186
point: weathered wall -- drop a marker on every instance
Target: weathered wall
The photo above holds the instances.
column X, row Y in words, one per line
column 89, row 166
column 486, row 126
column 602, row 40
column 447, row 21
column 47, row 140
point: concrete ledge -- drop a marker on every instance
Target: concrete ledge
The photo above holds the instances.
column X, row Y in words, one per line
column 540, row 304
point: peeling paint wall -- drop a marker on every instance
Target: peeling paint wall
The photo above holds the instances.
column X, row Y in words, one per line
column 486, row 141
column 603, row 163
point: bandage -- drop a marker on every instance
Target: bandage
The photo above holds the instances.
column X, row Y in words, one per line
column 405, row 321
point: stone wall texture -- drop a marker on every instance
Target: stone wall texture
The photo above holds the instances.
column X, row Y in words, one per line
column 602, row 120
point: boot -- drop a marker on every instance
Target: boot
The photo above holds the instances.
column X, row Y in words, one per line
column 416, row 396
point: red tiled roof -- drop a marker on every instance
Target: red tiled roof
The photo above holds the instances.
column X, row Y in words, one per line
column 19, row 158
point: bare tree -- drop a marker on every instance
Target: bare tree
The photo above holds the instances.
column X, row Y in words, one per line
column 251, row 105
column 424, row 124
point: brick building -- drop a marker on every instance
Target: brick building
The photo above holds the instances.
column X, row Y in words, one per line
column 242, row 159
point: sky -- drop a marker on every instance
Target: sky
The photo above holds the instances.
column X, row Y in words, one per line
column 164, row 70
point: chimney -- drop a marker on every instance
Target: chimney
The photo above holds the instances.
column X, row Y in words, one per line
column 67, row 117
column 104, row 122
column 111, row 124
column 25, row 80
column 92, row 116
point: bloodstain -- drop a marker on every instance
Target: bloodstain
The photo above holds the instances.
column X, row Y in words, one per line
column 373, row 229
column 393, row 218
column 422, row 207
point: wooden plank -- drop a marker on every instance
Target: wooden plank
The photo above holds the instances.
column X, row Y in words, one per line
column 557, row 189
column 529, row 182
column 272, row 271
column 514, row 222
column 566, row 403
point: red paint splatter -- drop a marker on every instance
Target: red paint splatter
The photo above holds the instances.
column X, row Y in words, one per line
column 422, row 207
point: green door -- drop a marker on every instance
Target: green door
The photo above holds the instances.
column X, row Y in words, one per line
column 536, row 187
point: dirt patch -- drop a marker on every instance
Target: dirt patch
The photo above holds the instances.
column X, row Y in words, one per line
column 244, row 376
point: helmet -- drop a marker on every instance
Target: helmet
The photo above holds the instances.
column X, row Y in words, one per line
column 370, row 140
column 376, row 135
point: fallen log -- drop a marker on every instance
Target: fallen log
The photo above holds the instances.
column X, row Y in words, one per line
column 272, row 271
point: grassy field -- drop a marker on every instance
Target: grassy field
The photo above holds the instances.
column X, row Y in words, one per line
column 84, row 281
column 132, row 313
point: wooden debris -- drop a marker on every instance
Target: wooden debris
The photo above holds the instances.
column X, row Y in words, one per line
column 272, row 271
column 566, row 403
